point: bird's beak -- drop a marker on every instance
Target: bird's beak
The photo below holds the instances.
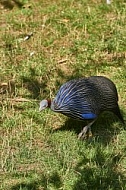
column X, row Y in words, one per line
column 40, row 108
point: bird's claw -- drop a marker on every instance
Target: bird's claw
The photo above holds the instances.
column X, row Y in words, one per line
column 85, row 133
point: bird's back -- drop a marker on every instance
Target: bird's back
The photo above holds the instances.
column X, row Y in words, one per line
column 86, row 97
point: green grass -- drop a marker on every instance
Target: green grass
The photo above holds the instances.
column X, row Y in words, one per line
column 71, row 39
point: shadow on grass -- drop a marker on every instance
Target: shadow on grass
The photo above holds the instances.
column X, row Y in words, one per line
column 98, row 172
column 26, row 186
column 103, row 175
column 33, row 85
column 10, row 4
column 102, row 128
column 44, row 181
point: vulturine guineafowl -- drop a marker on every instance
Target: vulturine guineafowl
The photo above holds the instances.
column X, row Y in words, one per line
column 85, row 99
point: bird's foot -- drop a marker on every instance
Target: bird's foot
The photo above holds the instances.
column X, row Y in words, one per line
column 85, row 133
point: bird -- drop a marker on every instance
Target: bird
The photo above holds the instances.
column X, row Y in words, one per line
column 85, row 99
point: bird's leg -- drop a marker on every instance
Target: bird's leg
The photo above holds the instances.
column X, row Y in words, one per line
column 86, row 131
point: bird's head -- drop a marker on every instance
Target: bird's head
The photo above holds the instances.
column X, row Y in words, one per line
column 44, row 104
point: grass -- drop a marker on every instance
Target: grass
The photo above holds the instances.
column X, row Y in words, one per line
column 70, row 39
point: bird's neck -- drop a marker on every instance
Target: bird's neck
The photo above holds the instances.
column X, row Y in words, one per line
column 49, row 103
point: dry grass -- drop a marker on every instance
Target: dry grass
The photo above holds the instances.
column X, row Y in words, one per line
column 44, row 44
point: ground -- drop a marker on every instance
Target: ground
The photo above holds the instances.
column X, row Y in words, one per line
column 43, row 45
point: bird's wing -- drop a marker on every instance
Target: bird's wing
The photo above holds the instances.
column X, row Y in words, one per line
column 82, row 109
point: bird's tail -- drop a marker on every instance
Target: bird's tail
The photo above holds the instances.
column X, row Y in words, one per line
column 119, row 115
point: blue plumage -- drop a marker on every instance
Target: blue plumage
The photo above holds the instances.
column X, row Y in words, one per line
column 86, row 98
column 88, row 116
